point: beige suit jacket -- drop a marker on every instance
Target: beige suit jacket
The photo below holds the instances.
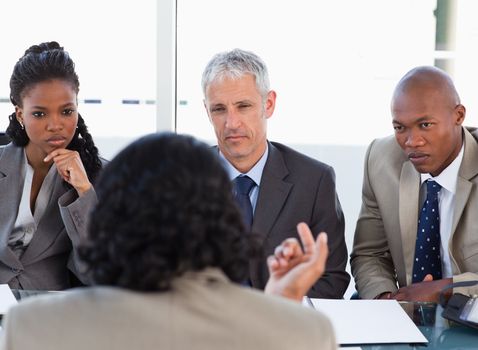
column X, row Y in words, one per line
column 202, row 311
column 384, row 243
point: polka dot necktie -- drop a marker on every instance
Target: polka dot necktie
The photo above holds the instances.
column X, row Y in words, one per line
column 242, row 187
column 427, row 247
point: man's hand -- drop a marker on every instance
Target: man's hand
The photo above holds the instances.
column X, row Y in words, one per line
column 71, row 169
column 428, row 290
column 292, row 270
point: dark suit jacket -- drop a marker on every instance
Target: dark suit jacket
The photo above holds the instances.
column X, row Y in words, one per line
column 297, row 188
column 49, row 257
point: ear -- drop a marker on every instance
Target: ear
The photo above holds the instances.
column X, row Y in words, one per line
column 270, row 104
column 207, row 110
column 19, row 114
column 460, row 113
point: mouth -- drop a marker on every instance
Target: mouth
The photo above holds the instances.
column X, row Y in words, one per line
column 235, row 138
column 56, row 141
column 417, row 158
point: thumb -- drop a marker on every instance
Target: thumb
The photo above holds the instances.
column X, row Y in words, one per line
column 428, row 278
column 322, row 248
column 306, row 237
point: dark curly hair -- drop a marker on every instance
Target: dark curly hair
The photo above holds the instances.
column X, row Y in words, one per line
column 165, row 207
column 40, row 63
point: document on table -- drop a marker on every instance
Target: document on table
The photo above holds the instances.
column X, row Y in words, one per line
column 368, row 321
column 7, row 299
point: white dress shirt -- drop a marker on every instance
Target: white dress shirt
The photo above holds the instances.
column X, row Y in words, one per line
column 446, row 205
column 255, row 174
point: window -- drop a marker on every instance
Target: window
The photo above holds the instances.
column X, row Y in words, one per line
column 333, row 64
column 113, row 44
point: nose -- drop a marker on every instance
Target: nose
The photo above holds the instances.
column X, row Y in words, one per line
column 55, row 122
column 414, row 139
column 233, row 120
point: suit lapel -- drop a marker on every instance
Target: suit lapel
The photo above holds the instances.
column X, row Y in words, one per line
column 50, row 225
column 408, row 213
column 273, row 192
column 11, row 178
column 468, row 170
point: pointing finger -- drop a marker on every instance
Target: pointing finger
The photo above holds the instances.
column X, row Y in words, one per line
column 306, row 237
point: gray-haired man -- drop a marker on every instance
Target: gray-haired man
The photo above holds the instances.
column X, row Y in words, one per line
column 287, row 187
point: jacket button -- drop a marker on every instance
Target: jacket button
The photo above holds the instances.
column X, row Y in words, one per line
column 15, row 270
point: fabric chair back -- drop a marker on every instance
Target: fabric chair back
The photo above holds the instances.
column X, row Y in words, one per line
column 4, row 139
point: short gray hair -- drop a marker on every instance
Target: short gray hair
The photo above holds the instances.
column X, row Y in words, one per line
column 234, row 64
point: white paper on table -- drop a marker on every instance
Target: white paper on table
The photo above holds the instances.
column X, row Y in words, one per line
column 7, row 299
column 368, row 321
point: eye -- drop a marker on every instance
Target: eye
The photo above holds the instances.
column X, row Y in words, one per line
column 68, row 111
column 425, row 125
column 217, row 109
column 38, row 114
column 244, row 105
column 398, row 128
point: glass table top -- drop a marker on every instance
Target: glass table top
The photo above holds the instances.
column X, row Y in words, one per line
column 440, row 333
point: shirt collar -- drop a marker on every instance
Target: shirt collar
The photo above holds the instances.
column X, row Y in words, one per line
column 447, row 178
column 255, row 173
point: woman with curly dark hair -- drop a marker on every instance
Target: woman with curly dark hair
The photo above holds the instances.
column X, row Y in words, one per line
column 167, row 249
column 46, row 173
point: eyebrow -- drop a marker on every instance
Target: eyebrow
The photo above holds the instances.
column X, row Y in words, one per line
column 220, row 104
column 215, row 105
column 243, row 101
column 62, row 106
column 419, row 120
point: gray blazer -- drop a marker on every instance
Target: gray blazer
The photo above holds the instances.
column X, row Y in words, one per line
column 47, row 260
column 203, row 310
column 384, row 244
column 297, row 188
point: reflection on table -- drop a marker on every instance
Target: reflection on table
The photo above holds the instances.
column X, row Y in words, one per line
column 23, row 293
column 441, row 333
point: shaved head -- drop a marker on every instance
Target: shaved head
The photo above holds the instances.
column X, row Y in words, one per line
column 428, row 80
column 427, row 118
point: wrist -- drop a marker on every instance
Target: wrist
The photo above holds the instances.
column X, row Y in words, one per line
column 285, row 292
column 384, row 295
column 83, row 189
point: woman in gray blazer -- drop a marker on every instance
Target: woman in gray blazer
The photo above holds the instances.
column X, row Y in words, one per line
column 46, row 173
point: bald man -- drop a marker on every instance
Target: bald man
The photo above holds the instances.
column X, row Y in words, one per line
column 418, row 226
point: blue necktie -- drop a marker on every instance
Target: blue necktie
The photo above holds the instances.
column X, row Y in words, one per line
column 242, row 187
column 427, row 248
